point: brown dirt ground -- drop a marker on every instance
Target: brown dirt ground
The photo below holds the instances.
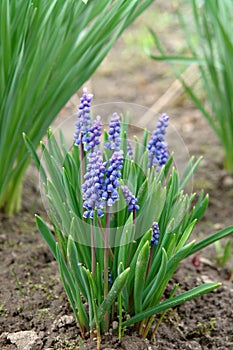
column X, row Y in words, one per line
column 31, row 294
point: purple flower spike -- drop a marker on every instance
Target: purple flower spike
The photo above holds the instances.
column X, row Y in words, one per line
column 111, row 182
column 91, row 138
column 130, row 199
column 155, row 234
column 92, row 187
column 114, row 141
column 84, row 119
column 129, row 150
column 158, row 151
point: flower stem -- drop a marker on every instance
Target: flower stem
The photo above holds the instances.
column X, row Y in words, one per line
column 131, row 244
column 120, row 316
column 150, row 260
column 93, row 257
column 106, row 256
column 103, row 235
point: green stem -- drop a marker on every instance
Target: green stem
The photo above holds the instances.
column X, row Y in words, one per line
column 150, row 260
column 120, row 316
column 93, row 256
column 148, row 326
column 131, row 244
column 106, row 256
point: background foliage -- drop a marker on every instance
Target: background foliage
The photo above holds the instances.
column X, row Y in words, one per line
column 209, row 41
column 48, row 49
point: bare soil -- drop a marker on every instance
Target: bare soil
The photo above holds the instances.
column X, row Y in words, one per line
column 31, row 295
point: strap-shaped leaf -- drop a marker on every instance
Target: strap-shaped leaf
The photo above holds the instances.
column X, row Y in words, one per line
column 75, row 265
column 140, row 275
column 67, row 282
column 47, row 235
column 179, row 299
column 35, row 157
column 150, row 292
column 152, row 208
column 211, row 239
column 146, row 237
column 185, row 236
column 113, row 293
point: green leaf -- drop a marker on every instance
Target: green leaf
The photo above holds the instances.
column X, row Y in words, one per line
column 94, row 299
column 113, row 293
column 227, row 254
column 211, row 239
column 151, row 209
column 200, row 207
column 68, row 283
column 35, row 157
column 185, row 235
column 150, row 293
column 140, row 276
column 171, row 303
column 146, row 237
column 47, row 235
column 75, row 265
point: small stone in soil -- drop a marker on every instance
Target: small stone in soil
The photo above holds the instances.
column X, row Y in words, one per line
column 62, row 322
column 227, row 181
column 25, row 340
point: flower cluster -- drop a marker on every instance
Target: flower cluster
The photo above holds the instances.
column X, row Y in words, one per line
column 84, row 119
column 91, row 138
column 102, row 180
column 92, row 187
column 112, row 176
column 130, row 199
column 114, row 140
column 158, row 151
column 155, row 233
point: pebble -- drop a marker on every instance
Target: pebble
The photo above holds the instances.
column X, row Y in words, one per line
column 114, row 324
column 62, row 322
column 227, row 181
column 25, row 340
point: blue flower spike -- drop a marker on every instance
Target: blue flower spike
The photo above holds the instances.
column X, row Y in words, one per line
column 91, row 138
column 130, row 199
column 114, row 141
column 155, row 234
column 157, row 147
column 92, row 187
column 84, row 118
column 112, row 177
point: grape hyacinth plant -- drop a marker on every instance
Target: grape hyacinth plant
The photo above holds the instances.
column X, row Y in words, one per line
column 121, row 224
